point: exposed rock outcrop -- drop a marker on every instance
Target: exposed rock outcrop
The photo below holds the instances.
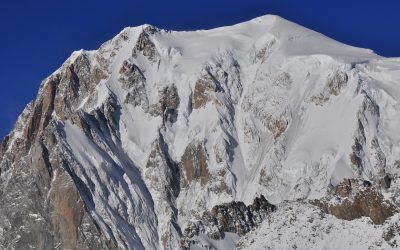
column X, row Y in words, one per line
column 133, row 81
column 233, row 217
column 203, row 91
column 41, row 205
column 335, row 83
column 194, row 164
column 163, row 177
column 262, row 54
column 75, row 81
column 355, row 199
column 145, row 45
column 41, row 115
column 167, row 105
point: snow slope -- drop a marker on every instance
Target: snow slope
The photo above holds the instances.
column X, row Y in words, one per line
column 301, row 226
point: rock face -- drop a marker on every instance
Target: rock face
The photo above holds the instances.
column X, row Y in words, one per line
column 203, row 91
column 41, row 205
column 334, row 84
column 145, row 45
column 133, row 81
column 194, row 165
column 168, row 104
column 358, row 201
column 233, row 217
column 163, row 139
column 163, row 176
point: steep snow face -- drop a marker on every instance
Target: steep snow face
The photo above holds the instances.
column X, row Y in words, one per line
column 156, row 127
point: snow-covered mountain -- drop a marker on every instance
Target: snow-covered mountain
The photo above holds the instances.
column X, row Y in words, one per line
column 261, row 135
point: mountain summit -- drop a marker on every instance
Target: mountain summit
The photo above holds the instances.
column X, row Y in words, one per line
column 259, row 135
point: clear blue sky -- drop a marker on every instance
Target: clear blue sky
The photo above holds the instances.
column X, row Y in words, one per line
column 37, row 36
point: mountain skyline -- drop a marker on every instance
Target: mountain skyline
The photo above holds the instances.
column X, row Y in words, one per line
column 262, row 133
column 38, row 36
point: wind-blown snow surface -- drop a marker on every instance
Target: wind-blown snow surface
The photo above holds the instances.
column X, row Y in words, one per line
column 302, row 226
column 285, row 108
